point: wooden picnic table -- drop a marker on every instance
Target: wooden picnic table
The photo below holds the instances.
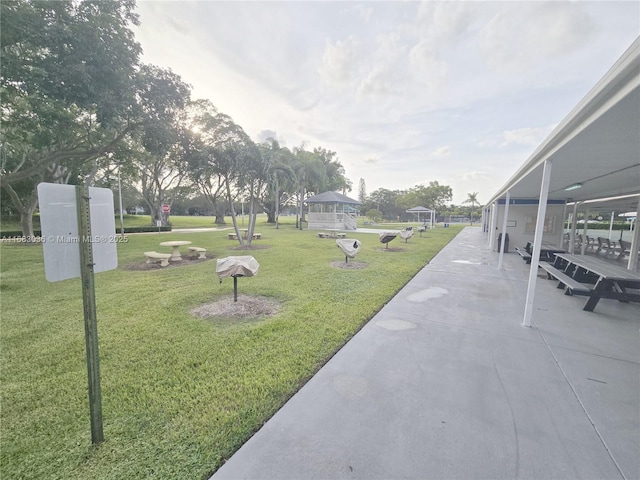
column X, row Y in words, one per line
column 609, row 280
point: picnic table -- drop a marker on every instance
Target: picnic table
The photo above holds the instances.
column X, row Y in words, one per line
column 176, row 244
column 595, row 278
column 547, row 252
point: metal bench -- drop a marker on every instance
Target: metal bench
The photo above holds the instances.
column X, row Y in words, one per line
column 153, row 257
column 573, row 286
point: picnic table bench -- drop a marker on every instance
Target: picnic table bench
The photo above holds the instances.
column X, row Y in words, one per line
column 332, row 235
column 605, row 246
column 608, row 279
column 524, row 254
column 153, row 257
column 573, row 286
column 234, row 236
column 199, row 250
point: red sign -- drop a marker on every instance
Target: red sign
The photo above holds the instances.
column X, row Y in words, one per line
column 166, row 208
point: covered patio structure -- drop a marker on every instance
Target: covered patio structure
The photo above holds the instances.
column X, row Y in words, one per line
column 426, row 211
column 590, row 161
column 332, row 211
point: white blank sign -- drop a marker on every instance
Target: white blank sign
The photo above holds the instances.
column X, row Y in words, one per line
column 59, row 225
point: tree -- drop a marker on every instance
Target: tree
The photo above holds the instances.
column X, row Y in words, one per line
column 67, row 91
column 226, row 152
column 159, row 147
column 385, row 202
column 334, row 174
column 472, row 198
column 362, row 191
column 280, row 175
column 310, row 178
column 433, row 197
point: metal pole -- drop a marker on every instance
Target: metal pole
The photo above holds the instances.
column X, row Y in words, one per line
column 277, row 201
column 90, row 322
column 235, row 288
column 120, row 198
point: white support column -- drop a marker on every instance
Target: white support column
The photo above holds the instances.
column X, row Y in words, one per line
column 574, row 225
column 564, row 220
column 504, row 229
column 611, row 225
column 583, row 244
column 537, row 242
column 494, row 224
column 635, row 243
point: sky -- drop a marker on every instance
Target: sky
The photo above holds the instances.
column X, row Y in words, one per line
column 404, row 92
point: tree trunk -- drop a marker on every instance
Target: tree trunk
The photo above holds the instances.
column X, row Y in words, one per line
column 233, row 216
column 219, row 213
column 26, row 222
column 301, row 207
column 25, row 209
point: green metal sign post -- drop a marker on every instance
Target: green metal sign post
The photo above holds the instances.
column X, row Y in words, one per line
column 90, row 322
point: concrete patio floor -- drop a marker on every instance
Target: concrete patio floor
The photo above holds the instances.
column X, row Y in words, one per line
column 445, row 383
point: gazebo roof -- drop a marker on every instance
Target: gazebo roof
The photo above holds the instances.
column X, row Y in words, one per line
column 332, row 197
column 419, row 210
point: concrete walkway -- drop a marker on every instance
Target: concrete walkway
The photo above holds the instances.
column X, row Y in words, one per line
column 445, row 383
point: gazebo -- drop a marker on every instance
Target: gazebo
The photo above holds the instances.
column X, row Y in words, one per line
column 424, row 210
column 332, row 211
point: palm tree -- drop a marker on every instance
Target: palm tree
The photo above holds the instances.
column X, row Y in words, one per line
column 472, row 198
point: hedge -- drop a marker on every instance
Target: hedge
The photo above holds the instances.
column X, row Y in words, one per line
column 13, row 234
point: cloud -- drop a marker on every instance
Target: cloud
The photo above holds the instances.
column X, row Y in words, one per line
column 359, row 10
column 340, row 62
column 442, row 151
column 474, row 176
column 529, row 136
column 446, row 20
column 458, row 92
column 523, row 33
column 430, row 68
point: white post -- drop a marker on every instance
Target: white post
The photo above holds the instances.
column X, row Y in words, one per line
column 489, row 223
column 611, row 225
column 537, row 242
column 583, row 246
column 574, row 226
column 635, row 242
column 494, row 223
column 504, row 229
column 564, row 219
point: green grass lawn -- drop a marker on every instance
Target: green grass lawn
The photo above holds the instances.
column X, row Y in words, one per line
column 177, row 221
column 180, row 394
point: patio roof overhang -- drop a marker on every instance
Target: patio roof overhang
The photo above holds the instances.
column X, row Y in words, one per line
column 596, row 147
